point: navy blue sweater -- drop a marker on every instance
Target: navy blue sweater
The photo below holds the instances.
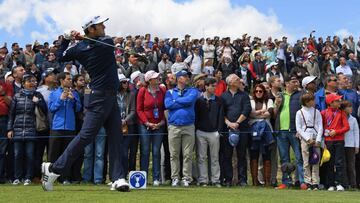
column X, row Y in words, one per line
column 98, row 60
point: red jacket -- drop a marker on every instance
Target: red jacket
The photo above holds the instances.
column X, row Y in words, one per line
column 220, row 88
column 145, row 104
column 8, row 90
column 335, row 119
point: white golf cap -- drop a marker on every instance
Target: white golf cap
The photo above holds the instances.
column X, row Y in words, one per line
column 93, row 21
column 122, row 78
column 271, row 65
column 134, row 75
column 307, row 80
column 310, row 54
column 151, row 75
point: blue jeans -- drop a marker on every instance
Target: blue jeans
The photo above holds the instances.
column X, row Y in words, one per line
column 147, row 138
column 94, row 159
column 3, row 146
column 285, row 139
column 24, row 150
column 128, row 149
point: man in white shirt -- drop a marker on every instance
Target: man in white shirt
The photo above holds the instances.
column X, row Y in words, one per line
column 164, row 64
column 344, row 68
column 209, row 49
column 178, row 65
column 195, row 62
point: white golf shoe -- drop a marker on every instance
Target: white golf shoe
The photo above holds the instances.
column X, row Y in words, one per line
column 48, row 178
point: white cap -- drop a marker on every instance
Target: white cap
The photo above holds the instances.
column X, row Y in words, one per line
column 122, row 78
column 7, row 74
column 93, row 21
column 271, row 65
column 310, row 54
column 134, row 75
column 307, row 80
column 151, row 75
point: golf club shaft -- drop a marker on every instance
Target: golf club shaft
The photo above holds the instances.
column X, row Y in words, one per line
column 94, row 40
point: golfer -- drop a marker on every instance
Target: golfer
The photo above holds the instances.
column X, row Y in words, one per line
column 100, row 102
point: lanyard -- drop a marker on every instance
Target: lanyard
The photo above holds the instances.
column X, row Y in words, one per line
column 330, row 120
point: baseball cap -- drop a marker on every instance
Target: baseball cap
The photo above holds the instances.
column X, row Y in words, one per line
column 123, row 78
column 314, row 157
column 7, row 74
column 182, row 73
column 233, row 139
column 134, row 75
column 151, row 75
column 93, row 21
column 307, row 80
column 199, row 77
column 271, row 65
column 310, row 54
column 332, row 97
column 46, row 73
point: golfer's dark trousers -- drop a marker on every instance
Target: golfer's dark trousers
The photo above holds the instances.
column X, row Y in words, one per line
column 101, row 110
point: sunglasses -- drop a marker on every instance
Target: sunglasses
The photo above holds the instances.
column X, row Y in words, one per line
column 334, row 80
column 124, row 82
column 258, row 91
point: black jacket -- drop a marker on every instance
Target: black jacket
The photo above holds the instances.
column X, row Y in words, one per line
column 22, row 114
column 209, row 114
column 236, row 105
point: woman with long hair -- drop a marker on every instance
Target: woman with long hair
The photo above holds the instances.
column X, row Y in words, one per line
column 261, row 138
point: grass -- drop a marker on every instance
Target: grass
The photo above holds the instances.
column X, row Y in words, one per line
column 89, row 193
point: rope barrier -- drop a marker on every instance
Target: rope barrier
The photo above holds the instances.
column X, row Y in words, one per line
column 132, row 134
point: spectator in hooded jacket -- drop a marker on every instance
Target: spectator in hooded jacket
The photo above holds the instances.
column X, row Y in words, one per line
column 22, row 129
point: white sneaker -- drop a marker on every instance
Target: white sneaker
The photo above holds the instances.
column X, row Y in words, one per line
column 156, row 183
column 27, row 182
column 16, row 182
column 121, row 185
column 185, row 183
column 332, row 188
column 340, row 188
column 48, row 178
column 175, row 182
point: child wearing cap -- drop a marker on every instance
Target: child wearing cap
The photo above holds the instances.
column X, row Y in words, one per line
column 335, row 125
column 310, row 128
column 351, row 144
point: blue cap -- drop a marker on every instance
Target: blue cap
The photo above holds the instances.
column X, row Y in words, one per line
column 233, row 139
column 47, row 72
column 314, row 157
column 182, row 73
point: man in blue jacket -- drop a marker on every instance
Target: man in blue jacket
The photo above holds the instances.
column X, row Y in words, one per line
column 180, row 102
column 100, row 102
column 63, row 104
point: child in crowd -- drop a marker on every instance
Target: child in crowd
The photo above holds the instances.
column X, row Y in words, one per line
column 351, row 144
column 335, row 125
column 310, row 128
